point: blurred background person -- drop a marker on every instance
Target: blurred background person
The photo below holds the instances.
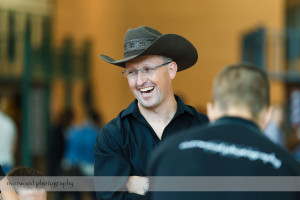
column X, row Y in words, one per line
column 78, row 158
column 87, row 135
column 8, row 135
column 57, row 142
column 293, row 142
column 274, row 130
column 296, row 151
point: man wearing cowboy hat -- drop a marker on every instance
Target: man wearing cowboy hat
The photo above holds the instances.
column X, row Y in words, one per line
column 151, row 61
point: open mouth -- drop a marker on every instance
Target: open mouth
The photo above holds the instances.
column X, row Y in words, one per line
column 147, row 89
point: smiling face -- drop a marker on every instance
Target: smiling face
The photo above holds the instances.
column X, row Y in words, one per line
column 155, row 89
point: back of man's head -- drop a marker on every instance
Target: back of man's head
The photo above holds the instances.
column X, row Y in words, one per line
column 27, row 189
column 24, row 171
column 241, row 86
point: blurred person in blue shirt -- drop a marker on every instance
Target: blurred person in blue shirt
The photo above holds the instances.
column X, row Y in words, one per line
column 78, row 159
column 80, row 142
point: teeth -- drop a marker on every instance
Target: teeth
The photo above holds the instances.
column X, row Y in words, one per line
column 146, row 89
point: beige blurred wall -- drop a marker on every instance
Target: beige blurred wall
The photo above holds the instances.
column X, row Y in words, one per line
column 214, row 27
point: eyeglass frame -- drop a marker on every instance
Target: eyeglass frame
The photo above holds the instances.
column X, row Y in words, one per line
column 143, row 71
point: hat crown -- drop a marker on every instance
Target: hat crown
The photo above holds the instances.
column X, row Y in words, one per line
column 139, row 39
column 142, row 32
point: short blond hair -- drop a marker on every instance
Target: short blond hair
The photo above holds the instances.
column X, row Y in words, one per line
column 242, row 85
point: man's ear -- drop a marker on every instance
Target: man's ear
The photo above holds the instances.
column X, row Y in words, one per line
column 173, row 70
column 210, row 111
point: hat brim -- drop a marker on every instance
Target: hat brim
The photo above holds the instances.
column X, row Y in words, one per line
column 170, row 45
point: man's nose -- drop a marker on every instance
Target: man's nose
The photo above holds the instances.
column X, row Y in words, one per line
column 140, row 78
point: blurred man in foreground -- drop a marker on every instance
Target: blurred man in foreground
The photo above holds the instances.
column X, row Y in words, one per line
column 232, row 145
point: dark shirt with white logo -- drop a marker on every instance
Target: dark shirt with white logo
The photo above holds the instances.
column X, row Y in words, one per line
column 229, row 147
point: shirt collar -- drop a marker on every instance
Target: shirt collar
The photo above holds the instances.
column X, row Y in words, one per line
column 237, row 121
column 181, row 107
column 134, row 110
column 131, row 109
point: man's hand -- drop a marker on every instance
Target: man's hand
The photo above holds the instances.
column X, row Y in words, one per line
column 137, row 184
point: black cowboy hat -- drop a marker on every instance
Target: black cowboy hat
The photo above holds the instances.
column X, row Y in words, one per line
column 145, row 40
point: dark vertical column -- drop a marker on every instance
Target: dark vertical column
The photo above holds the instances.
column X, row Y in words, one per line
column 26, row 153
column 67, row 64
column 46, row 57
column 85, row 72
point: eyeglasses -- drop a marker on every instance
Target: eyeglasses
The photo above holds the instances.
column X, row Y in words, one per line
column 132, row 73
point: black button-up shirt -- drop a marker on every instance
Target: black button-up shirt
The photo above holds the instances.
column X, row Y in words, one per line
column 124, row 145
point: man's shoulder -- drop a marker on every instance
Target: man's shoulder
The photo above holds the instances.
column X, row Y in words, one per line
column 110, row 134
column 196, row 114
column 115, row 126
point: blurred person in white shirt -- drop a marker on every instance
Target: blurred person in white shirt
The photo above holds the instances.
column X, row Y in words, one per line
column 8, row 135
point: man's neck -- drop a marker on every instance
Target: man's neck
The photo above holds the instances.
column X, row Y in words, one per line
column 245, row 114
column 160, row 116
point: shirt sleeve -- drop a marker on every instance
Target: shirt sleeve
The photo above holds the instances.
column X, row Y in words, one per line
column 111, row 161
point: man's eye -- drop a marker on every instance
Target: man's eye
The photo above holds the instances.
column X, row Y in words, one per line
column 130, row 72
column 147, row 69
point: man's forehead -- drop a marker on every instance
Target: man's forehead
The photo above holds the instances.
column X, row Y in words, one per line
column 148, row 59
